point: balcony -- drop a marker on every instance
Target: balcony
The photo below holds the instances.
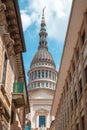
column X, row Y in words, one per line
column 18, row 95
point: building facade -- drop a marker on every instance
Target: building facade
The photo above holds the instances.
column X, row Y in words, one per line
column 42, row 82
column 13, row 92
column 70, row 101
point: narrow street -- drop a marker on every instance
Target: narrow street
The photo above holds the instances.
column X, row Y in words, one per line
column 43, row 65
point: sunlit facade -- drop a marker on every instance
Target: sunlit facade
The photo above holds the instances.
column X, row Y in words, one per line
column 70, row 101
column 14, row 103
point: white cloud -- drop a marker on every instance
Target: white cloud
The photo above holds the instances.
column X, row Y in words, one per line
column 56, row 14
column 26, row 20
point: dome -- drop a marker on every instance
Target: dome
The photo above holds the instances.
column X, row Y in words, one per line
column 43, row 56
column 42, row 73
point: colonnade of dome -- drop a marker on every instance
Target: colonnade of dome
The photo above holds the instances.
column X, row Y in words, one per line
column 42, row 74
column 42, row 78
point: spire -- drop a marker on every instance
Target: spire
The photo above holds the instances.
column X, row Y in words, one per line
column 43, row 34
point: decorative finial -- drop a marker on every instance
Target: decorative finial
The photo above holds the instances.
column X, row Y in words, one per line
column 44, row 10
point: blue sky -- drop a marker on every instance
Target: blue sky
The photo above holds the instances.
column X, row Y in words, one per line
column 56, row 14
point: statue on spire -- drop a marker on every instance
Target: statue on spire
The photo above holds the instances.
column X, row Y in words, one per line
column 44, row 10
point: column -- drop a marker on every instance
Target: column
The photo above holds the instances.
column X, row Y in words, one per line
column 37, row 121
column 48, row 121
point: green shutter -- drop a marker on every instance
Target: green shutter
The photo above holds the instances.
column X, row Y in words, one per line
column 18, row 87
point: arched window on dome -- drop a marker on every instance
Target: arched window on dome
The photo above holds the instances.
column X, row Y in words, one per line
column 49, row 74
column 46, row 73
column 32, row 76
column 39, row 74
column 42, row 73
column 35, row 74
column 53, row 75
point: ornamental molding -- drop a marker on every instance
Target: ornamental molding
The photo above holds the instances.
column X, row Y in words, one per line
column 9, row 44
column 2, row 14
column 42, row 112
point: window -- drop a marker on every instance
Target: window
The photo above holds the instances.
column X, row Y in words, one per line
column 64, row 93
column 42, row 121
column 71, row 105
column 35, row 74
column 73, row 66
column 67, row 86
column 53, row 75
column 80, row 86
column 32, row 75
column 12, row 117
column 4, row 69
column 83, row 123
column 75, row 96
column 68, row 114
column 70, row 77
column 65, row 117
column 83, row 37
column 38, row 74
column 77, row 54
column 86, row 74
column 77, row 126
column 46, row 74
column 42, row 73
column 49, row 74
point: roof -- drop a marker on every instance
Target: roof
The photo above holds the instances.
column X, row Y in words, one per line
column 43, row 56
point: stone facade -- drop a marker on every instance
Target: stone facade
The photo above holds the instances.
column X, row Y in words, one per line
column 11, row 68
column 70, row 101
